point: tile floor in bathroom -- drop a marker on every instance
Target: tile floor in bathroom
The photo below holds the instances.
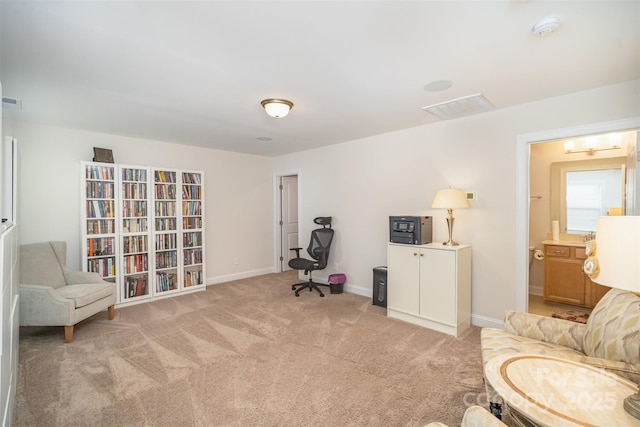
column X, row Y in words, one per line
column 537, row 305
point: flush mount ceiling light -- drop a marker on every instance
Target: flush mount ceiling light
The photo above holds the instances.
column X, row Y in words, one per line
column 277, row 108
column 465, row 106
column 546, row 25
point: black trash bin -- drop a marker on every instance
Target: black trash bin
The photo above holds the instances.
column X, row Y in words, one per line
column 380, row 286
column 336, row 283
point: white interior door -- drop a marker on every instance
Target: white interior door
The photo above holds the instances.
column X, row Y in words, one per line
column 288, row 219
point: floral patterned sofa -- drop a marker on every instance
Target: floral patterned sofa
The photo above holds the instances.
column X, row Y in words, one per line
column 610, row 339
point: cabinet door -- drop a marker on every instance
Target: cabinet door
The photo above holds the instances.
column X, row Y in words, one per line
column 564, row 281
column 403, row 279
column 438, row 285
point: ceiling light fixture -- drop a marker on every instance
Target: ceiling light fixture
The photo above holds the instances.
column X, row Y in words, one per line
column 277, row 108
column 546, row 25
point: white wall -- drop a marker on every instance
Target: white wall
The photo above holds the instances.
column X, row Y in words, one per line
column 362, row 182
column 238, row 194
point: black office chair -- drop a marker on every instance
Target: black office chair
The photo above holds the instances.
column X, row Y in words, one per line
column 318, row 250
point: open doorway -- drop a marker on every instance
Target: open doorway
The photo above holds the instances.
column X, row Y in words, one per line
column 565, row 174
column 287, row 219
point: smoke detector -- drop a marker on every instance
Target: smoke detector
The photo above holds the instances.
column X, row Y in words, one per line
column 546, row 25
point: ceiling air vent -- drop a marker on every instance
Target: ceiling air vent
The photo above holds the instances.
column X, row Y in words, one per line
column 13, row 103
column 465, row 106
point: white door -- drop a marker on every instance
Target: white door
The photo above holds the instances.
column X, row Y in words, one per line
column 288, row 220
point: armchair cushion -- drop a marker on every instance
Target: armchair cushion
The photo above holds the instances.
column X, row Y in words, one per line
column 86, row 294
column 613, row 328
column 40, row 264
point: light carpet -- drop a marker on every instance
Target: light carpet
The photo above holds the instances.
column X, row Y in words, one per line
column 247, row 353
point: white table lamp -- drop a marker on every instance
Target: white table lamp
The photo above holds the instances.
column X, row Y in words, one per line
column 450, row 199
column 614, row 261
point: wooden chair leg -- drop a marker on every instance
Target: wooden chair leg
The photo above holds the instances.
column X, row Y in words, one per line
column 68, row 334
column 111, row 311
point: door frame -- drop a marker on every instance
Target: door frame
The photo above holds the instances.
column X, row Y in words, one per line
column 522, row 190
column 277, row 207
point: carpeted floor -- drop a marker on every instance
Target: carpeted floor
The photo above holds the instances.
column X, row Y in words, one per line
column 247, row 353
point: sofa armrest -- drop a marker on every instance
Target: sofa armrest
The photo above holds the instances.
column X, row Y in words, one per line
column 547, row 329
column 42, row 306
column 81, row 277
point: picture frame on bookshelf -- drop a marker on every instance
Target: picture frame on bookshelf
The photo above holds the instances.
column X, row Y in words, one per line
column 102, row 155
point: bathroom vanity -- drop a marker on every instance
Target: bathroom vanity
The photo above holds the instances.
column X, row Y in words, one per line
column 564, row 280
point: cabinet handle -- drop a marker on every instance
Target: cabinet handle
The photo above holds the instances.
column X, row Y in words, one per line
column 415, row 254
column 421, row 254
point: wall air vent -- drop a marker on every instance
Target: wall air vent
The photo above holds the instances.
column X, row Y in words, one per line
column 465, row 106
column 12, row 103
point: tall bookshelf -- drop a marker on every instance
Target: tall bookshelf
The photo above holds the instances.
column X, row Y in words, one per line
column 143, row 228
column 135, row 232
column 99, row 228
column 192, row 231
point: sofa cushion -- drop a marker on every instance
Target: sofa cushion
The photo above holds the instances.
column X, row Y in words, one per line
column 86, row 294
column 613, row 328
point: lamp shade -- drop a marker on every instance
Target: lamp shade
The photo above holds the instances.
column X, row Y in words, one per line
column 277, row 108
column 618, row 252
column 450, row 198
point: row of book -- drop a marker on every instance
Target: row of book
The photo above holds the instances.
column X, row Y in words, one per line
column 134, row 190
column 99, row 190
column 166, row 281
column 192, row 239
column 133, row 244
column 191, row 223
column 100, row 209
column 133, row 208
column 166, row 241
column 166, row 192
column 193, row 192
column 166, row 224
column 103, row 246
column 165, row 209
column 193, row 278
column 135, row 263
column 191, row 178
column 166, row 259
column 106, row 267
column 192, row 208
column 135, row 286
column 165, row 176
column 99, row 172
column 192, row 256
column 131, row 225
column 100, row 226
column 134, row 174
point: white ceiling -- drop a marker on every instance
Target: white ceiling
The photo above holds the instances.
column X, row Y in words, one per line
column 195, row 72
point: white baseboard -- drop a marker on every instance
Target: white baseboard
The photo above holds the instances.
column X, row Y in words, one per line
column 486, row 322
column 237, row 276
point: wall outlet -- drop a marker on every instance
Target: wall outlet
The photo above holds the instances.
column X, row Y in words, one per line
column 335, row 266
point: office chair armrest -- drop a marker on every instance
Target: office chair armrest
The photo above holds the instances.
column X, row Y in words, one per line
column 297, row 251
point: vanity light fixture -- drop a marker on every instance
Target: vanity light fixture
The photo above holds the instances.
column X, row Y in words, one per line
column 591, row 145
column 277, row 108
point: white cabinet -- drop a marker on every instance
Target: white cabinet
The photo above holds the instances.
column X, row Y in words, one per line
column 430, row 285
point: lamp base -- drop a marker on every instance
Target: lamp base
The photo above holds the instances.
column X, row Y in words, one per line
column 451, row 243
column 632, row 405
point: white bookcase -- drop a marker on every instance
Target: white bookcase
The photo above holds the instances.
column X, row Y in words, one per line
column 143, row 228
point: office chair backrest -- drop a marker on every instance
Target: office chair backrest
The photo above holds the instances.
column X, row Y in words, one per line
column 320, row 244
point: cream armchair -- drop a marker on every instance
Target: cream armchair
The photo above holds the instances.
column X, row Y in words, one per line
column 609, row 340
column 51, row 295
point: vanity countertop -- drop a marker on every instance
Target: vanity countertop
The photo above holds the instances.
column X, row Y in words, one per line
column 574, row 243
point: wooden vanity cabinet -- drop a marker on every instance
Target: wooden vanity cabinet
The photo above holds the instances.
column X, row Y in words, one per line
column 564, row 280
